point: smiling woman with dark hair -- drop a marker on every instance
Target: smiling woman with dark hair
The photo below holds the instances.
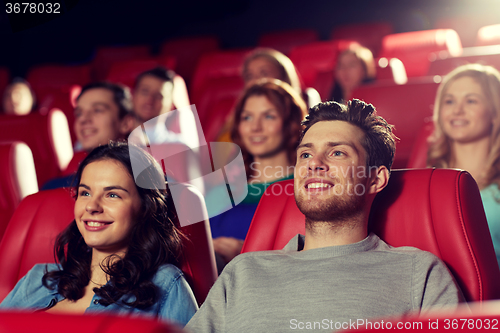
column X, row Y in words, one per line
column 120, row 252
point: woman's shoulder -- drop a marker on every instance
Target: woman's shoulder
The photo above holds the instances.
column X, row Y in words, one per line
column 39, row 270
column 166, row 274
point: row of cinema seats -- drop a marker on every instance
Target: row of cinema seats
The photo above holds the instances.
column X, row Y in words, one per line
column 448, row 221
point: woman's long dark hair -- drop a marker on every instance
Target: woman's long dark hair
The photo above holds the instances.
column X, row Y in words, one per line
column 154, row 238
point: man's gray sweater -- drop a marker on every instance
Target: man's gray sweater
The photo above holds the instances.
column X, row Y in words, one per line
column 291, row 290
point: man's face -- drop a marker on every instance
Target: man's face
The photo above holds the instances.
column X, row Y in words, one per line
column 97, row 119
column 331, row 174
column 152, row 97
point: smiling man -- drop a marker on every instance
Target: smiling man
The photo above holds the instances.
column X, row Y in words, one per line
column 337, row 272
column 103, row 113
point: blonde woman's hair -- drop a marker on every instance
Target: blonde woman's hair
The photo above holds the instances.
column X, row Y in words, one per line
column 439, row 153
column 284, row 65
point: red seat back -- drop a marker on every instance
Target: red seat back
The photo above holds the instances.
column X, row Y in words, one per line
column 418, row 157
column 57, row 76
column 42, row 322
column 285, row 41
column 485, row 55
column 413, row 48
column 368, row 34
column 214, row 66
column 404, row 106
column 17, row 178
column 105, row 56
column 316, row 63
column 436, row 210
column 47, row 136
column 187, row 52
column 30, row 236
column 126, row 71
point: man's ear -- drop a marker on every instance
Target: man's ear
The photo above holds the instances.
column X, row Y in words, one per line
column 127, row 124
column 378, row 179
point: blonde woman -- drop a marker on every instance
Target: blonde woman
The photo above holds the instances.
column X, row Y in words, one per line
column 467, row 133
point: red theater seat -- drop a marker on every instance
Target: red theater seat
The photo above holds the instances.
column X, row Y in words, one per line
column 17, row 178
column 31, row 233
column 126, row 71
column 47, row 136
column 106, row 55
column 216, row 102
column 187, row 52
column 404, row 106
column 447, row 219
column 488, row 35
column 214, row 66
column 57, row 76
column 42, row 322
column 368, row 34
column 444, row 63
column 418, row 157
column 62, row 98
column 284, row 41
column 316, row 62
column 414, row 48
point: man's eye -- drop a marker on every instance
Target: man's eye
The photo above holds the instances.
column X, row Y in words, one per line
column 305, row 155
column 338, row 153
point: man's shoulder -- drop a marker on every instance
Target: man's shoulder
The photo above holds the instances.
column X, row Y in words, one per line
column 416, row 254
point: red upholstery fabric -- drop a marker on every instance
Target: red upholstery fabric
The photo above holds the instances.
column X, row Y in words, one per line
column 413, row 48
column 62, row 98
column 74, row 163
column 447, row 220
column 58, row 76
column 418, row 157
column 107, row 55
column 41, row 322
column 36, row 131
column 216, row 65
column 11, row 193
column 316, row 63
column 369, row 34
column 284, row 41
column 31, row 233
column 216, row 102
column 187, row 52
column 485, row 55
column 126, row 71
column 405, row 106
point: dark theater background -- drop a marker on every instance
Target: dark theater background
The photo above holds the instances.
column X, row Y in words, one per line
column 72, row 37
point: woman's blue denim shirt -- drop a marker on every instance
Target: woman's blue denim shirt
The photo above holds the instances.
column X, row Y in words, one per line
column 176, row 301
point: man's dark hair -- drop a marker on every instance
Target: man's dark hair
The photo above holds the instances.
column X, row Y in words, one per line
column 159, row 72
column 121, row 95
column 379, row 142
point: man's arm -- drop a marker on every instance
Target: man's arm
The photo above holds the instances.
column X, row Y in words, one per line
column 434, row 287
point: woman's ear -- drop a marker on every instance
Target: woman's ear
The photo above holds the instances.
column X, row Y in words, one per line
column 378, row 179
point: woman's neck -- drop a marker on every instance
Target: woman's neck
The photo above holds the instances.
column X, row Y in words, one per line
column 97, row 276
column 471, row 157
column 270, row 168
